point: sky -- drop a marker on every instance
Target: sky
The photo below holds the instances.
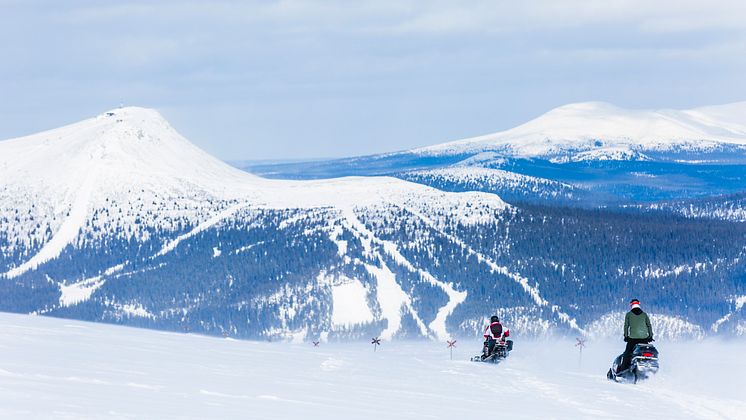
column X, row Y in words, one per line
column 275, row 80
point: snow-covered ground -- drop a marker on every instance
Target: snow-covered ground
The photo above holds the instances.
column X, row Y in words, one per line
column 53, row 368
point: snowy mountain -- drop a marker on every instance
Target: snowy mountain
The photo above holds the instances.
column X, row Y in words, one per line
column 132, row 159
column 127, row 175
column 57, row 182
column 120, row 219
column 597, row 130
column 611, row 156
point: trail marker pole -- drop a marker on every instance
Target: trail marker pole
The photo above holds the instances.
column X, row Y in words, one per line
column 376, row 342
column 451, row 345
column 580, row 344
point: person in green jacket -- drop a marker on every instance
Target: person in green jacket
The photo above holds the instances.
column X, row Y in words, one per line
column 637, row 330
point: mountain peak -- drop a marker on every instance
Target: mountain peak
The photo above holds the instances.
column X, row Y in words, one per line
column 133, row 111
column 589, row 106
column 134, row 116
column 125, row 146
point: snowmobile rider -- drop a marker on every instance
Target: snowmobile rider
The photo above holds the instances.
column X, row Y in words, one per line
column 493, row 333
column 637, row 330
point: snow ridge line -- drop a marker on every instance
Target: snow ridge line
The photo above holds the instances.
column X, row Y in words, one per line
column 391, row 309
column 523, row 281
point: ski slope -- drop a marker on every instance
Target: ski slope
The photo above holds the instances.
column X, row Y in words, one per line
column 54, row 368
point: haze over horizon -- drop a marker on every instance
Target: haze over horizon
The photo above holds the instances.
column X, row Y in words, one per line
column 298, row 80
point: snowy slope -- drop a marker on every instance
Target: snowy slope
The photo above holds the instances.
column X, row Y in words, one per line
column 611, row 132
column 127, row 175
column 466, row 178
column 726, row 207
column 60, row 178
column 65, row 369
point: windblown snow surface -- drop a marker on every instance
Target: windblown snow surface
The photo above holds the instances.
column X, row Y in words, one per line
column 53, row 368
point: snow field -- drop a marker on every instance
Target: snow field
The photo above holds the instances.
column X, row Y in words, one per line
column 54, row 368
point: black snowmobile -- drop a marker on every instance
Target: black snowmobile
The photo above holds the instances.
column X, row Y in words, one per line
column 499, row 352
column 643, row 365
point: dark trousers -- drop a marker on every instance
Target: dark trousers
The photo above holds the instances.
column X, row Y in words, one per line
column 490, row 343
column 627, row 355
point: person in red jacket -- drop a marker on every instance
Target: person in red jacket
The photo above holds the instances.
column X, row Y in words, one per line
column 492, row 334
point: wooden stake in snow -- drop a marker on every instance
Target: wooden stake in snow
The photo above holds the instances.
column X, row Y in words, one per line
column 451, row 345
column 580, row 344
column 376, row 342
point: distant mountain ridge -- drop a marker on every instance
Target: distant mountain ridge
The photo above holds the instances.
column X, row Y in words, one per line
column 612, row 156
column 602, row 127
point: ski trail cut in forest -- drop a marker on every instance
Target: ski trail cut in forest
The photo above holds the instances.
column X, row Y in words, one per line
column 437, row 325
column 201, row 228
column 389, row 294
column 67, row 232
column 523, row 281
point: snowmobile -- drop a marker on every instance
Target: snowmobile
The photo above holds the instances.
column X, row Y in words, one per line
column 499, row 352
column 644, row 364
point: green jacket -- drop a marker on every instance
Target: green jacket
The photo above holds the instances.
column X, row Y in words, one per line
column 637, row 325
